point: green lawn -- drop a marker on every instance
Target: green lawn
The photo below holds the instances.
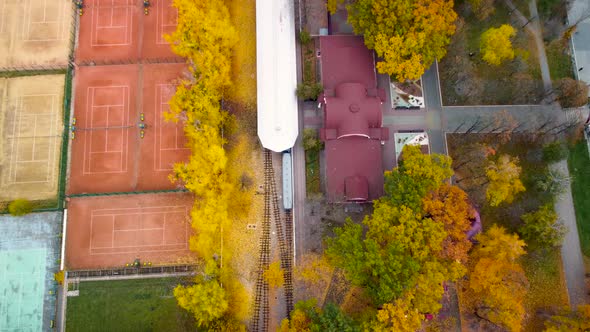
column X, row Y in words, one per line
column 560, row 64
column 312, row 171
column 127, row 305
column 579, row 165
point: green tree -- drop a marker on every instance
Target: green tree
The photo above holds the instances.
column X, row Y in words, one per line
column 408, row 35
column 416, row 175
column 311, row 140
column 542, row 228
column 504, row 184
column 207, row 301
column 554, row 152
column 401, row 254
column 385, row 272
column 20, row 207
column 308, row 317
column 495, row 44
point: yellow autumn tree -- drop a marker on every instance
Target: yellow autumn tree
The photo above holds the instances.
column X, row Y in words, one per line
column 274, row 275
column 205, row 36
column 495, row 44
column 206, row 301
column 496, row 285
column 409, row 35
column 332, row 5
column 397, row 316
column 504, row 180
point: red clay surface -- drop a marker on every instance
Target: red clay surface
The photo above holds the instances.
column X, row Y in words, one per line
column 109, row 232
column 119, row 30
column 107, row 154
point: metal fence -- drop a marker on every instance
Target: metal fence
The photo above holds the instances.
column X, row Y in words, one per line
column 132, row 271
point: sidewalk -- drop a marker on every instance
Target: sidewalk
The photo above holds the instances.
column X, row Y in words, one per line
column 581, row 38
column 571, row 253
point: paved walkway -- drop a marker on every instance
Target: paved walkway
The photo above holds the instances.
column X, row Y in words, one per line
column 581, row 38
column 571, row 252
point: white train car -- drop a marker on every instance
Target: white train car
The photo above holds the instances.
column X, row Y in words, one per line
column 287, row 180
column 276, row 74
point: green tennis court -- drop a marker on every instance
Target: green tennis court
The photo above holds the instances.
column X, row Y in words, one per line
column 22, row 285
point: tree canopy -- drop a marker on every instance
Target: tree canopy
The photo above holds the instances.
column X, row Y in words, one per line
column 412, row 245
column 496, row 285
column 205, row 36
column 503, row 175
column 207, row 301
column 542, row 228
column 495, row 44
column 308, row 317
column 409, row 35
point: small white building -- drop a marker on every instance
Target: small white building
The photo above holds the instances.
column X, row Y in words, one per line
column 276, row 70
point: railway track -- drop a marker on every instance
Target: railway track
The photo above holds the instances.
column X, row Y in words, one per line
column 261, row 310
column 285, row 254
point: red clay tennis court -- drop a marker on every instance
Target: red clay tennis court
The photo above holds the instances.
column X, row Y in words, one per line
column 111, row 231
column 107, row 153
column 119, row 30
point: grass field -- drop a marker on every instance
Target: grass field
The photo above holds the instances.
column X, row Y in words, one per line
column 127, row 305
column 560, row 64
column 579, row 165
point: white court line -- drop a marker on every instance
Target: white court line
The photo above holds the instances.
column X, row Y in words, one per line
column 94, row 28
column 136, row 250
column 160, row 21
column 124, row 143
column 162, row 98
column 165, row 213
column 144, row 210
column 19, row 115
column 27, row 22
column 2, row 14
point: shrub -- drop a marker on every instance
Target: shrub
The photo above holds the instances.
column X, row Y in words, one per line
column 542, row 228
column 309, row 91
column 554, row 152
column 59, row 277
column 20, row 207
column 304, row 37
column 311, row 140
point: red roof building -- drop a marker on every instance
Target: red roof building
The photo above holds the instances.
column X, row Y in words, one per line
column 353, row 122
